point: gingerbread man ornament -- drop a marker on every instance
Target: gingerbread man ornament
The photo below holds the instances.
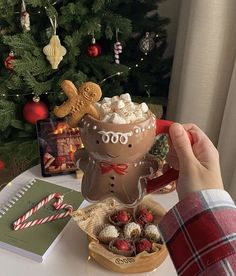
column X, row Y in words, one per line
column 80, row 102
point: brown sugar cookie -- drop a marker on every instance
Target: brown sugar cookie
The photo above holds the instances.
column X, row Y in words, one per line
column 79, row 102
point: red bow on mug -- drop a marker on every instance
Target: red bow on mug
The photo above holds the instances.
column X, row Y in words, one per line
column 118, row 168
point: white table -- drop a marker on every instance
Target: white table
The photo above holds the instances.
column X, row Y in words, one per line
column 70, row 255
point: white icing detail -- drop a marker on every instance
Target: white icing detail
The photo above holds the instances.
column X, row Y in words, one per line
column 124, row 140
column 135, row 164
column 148, row 127
column 88, row 124
column 137, row 129
column 84, row 123
column 93, row 162
column 115, row 137
column 105, row 137
column 94, row 127
column 143, row 129
column 140, row 162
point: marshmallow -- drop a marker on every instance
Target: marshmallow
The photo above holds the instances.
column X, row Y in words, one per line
column 144, row 107
column 98, row 106
column 117, row 119
column 121, row 110
column 115, row 98
column 106, row 100
column 125, row 97
column 105, row 108
column 106, row 118
column 138, row 112
column 140, row 116
column 130, row 117
column 130, row 106
column 117, row 105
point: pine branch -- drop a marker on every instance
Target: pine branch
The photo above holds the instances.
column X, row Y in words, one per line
column 22, row 41
column 7, row 113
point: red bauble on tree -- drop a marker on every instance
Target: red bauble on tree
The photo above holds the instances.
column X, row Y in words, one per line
column 35, row 110
column 94, row 49
column 2, row 165
column 8, row 61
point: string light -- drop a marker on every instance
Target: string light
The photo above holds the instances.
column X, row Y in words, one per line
column 26, row 94
column 119, row 73
column 111, row 76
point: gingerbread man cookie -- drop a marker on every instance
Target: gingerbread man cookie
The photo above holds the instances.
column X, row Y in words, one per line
column 80, row 102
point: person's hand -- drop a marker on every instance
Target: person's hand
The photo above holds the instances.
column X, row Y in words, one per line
column 198, row 164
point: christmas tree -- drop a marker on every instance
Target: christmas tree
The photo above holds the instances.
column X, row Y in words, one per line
column 87, row 31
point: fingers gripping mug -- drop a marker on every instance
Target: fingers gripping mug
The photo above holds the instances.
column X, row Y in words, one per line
column 115, row 159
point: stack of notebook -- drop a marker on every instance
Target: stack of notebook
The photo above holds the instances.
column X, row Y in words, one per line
column 37, row 241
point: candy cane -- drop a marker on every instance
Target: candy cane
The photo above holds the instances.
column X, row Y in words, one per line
column 21, row 224
column 117, row 51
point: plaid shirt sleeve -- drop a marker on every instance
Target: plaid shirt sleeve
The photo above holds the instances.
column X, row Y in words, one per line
column 200, row 234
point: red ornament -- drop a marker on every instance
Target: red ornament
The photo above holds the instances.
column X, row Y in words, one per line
column 34, row 111
column 8, row 61
column 2, row 165
column 94, row 50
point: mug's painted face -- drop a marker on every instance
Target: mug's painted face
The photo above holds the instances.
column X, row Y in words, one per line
column 117, row 143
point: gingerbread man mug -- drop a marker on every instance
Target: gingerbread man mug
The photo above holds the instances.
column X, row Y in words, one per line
column 115, row 159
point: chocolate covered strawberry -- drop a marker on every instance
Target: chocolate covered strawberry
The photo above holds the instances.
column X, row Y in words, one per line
column 122, row 247
column 144, row 216
column 120, row 217
column 121, row 244
column 143, row 245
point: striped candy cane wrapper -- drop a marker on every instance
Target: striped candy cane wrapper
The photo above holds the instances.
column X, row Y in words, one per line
column 21, row 224
column 117, row 51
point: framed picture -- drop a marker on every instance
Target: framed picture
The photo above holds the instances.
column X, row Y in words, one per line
column 57, row 144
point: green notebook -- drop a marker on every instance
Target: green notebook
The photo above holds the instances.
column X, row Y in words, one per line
column 34, row 242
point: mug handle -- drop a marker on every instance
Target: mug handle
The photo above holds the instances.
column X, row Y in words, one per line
column 162, row 127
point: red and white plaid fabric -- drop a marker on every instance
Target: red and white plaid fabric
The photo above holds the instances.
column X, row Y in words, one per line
column 200, row 234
